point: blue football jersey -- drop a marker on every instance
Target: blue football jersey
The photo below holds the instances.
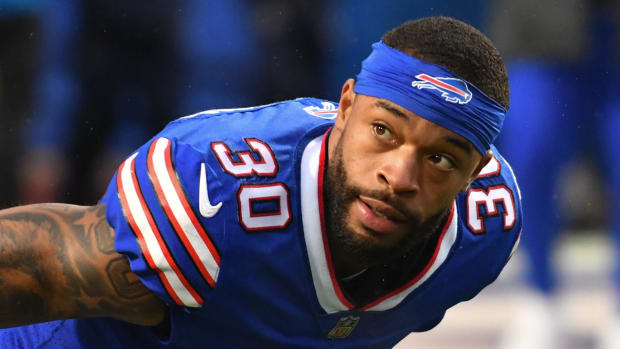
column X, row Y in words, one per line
column 221, row 216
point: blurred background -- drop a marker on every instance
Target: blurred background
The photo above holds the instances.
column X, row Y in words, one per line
column 83, row 83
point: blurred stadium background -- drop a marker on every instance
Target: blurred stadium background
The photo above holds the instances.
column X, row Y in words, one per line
column 83, row 83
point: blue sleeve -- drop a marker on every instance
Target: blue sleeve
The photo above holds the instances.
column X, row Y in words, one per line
column 429, row 325
column 153, row 205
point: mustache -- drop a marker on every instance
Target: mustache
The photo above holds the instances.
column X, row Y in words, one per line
column 354, row 192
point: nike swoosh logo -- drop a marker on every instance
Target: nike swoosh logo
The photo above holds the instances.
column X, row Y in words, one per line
column 206, row 209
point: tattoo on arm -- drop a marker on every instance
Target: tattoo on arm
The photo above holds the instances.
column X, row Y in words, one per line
column 58, row 261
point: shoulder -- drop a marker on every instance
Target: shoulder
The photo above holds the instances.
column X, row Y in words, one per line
column 287, row 117
column 259, row 141
column 489, row 226
column 247, row 141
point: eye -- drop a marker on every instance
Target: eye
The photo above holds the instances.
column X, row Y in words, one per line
column 442, row 162
column 382, row 132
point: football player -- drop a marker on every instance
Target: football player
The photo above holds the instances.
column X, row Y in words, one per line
column 304, row 223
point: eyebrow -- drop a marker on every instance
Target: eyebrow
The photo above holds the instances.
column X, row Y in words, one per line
column 391, row 109
column 464, row 145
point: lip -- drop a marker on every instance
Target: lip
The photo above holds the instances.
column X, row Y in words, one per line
column 376, row 220
column 384, row 209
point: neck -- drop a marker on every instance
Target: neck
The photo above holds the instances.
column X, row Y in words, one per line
column 344, row 265
column 352, row 276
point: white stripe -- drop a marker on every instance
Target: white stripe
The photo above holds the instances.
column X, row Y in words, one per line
column 312, row 229
column 444, row 249
column 139, row 216
column 174, row 202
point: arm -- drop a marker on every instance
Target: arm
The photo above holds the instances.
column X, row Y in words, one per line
column 58, row 261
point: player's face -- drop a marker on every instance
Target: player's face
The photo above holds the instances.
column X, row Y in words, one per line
column 392, row 177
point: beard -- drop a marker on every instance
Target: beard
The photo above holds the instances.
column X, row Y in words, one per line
column 339, row 196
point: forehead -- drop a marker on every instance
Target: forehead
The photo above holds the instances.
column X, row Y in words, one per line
column 414, row 123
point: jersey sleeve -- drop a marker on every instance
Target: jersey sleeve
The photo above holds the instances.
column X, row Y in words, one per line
column 153, row 204
column 492, row 212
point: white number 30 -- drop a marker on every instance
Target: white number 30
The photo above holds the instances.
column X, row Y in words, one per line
column 260, row 206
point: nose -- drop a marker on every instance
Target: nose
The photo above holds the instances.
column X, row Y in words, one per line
column 401, row 173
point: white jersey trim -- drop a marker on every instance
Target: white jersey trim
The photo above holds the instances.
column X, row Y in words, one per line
column 321, row 278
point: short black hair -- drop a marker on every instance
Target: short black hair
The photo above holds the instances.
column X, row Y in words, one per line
column 456, row 46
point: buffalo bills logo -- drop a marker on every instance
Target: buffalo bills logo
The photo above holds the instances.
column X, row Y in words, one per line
column 452, row 90
column 327, row 111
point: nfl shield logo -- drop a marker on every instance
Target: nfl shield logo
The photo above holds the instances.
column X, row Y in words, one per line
column 344, row 327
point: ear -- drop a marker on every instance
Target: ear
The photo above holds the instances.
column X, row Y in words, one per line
column 481, row 164
column 347, row 95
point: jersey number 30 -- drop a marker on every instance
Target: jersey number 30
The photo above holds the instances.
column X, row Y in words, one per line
column 260, row 206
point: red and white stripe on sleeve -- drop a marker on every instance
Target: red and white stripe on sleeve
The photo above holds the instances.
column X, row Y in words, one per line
column 176, row 205
column 149, row 237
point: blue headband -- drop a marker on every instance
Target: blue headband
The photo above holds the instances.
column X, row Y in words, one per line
column 431, row 92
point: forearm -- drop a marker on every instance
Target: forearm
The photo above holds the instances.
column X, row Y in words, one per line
column 28, row 235
column 58, row 261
